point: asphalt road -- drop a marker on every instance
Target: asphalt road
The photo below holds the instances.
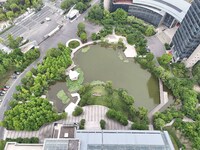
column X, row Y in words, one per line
column 68, row 31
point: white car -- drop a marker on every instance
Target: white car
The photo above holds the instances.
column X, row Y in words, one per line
column 48, row 19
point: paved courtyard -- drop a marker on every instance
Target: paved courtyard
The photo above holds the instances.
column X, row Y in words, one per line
column 92, row 114
column 155, row 46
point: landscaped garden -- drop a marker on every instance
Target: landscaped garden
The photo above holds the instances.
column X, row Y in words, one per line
column 74, row 44
column 74, row 86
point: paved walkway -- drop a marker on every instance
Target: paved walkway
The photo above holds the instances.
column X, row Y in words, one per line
column 130, row 49
column 92, row 114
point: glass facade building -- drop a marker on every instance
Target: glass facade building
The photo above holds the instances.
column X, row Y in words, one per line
column 187, row 37
column 155, row 12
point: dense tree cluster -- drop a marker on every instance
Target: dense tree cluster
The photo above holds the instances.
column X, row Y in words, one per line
column 81, row 32
column 81, row 5
column 16, row 60
column 13, row 8
column 118, row 116
column 182, row 88
column 29, row 111
column 132, row 28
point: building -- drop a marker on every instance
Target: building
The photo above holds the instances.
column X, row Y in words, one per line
column 187, row 38
column 155, row 12
column 66, row 137
column 73, row 75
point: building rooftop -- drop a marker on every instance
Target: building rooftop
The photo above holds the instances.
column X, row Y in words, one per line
column 100, row 139
column 17, row 146
column 126, row 140
column 61, row 144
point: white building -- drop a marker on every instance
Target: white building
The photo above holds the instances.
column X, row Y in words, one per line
column 73, row 75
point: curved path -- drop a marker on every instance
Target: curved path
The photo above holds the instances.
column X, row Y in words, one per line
column 92, row 114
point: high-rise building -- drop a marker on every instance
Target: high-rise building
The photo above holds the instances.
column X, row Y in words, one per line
column 187, row 38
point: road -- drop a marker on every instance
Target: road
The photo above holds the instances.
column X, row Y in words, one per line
column 68, row 31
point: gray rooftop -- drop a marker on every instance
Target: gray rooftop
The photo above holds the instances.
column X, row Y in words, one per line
column 61, row 144
column 124, row 140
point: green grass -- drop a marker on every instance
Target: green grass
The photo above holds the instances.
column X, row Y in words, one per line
column 63, row 97
column 74, row 86
column 99, row 90
column 74, row 44
column 85, row 49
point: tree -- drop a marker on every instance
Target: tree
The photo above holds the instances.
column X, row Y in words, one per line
column 83, row 37
column 149, row 57
column 81, row 7
column 78, row 111
column 120, row 15
column 66, row 4
column 149, row 31
column 2, row 17
column 165, row 59
column 10, row 14
column 159, row 123
column 131, row 39
column 96, row 13
column 14, row 43
column 102, row 124
column 81, row 27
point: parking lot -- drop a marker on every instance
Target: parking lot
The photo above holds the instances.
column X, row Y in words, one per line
column 35, row 26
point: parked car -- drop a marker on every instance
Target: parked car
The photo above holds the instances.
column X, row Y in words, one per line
column 17, row 73
column 1, row 94
column 14, row 77
column 1, row 91
column 0, row 100
column 6, row 87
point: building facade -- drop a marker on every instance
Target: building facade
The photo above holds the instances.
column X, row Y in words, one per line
column 155, row 12
column 187, row 38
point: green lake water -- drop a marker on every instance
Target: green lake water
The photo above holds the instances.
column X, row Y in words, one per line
column 104, row 64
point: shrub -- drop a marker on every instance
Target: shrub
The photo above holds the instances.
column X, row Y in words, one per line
column 74, row 44
column 82, row 124
column 118, row 116
column 167, row 46
column 78, row 111
column 103, row 124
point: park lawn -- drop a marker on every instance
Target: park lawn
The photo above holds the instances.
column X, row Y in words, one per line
column 85, row 49
column 74, row 86
column 63, row 97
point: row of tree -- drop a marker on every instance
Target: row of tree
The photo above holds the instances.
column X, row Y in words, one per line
column 81, row 5
column 29, row 111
